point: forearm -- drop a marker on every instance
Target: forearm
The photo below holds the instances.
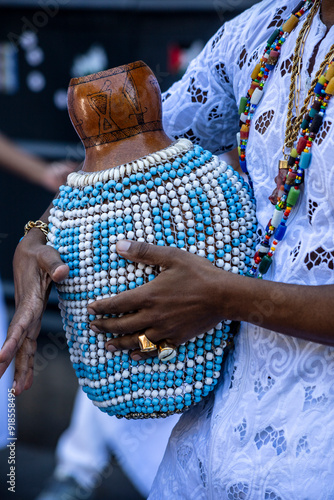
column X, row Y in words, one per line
column 301, row 311
column 21, row 163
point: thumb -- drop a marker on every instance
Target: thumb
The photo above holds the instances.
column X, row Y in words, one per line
column 147, row 253
column 49, row 260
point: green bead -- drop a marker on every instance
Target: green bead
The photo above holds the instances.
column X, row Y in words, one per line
column 305, row 124
column 273, row 37
column 242, row 105
column 322, row 80
column 265, row 264
column 292, row 197
column 313, row 112
column 294, row 153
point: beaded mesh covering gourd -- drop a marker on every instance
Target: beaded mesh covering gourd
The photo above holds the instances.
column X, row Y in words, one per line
column 180, row 196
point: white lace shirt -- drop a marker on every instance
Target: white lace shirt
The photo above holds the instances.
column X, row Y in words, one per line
column 268, row 431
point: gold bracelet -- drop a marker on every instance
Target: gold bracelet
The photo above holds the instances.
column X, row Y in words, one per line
column 39, row 224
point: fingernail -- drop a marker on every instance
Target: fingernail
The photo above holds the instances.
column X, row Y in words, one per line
column 14, row 384
column 111, row 348
column 123, row 245
column 95, row 329
column 136, row 357
column 90, row 310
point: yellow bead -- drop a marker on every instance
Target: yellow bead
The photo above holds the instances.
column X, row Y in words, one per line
column 255, row 72
column 290, row 24
column 330, row 87
column 330, row 72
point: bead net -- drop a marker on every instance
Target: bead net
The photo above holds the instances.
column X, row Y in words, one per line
column 181, row 196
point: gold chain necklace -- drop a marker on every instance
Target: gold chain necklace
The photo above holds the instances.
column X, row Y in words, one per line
column 293, row 126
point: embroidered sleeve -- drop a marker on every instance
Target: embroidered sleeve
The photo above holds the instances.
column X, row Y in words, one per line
column 202, row 106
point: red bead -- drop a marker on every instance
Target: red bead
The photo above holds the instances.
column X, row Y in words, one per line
column 301, row 145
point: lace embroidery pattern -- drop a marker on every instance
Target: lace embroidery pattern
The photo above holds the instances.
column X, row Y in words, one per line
column 310, row 401
column 242, row 57
column 278, row 18
column 217, row 37
column 221, row 70
column 189, row 134
column 318, row 257
column 263, row 121
column 323, row 132
column 197, row 94
column 241, row 429
column 271, row 495
column 286, row 66
column 272, row 436
column 302, row 446
column 312, row 206
column 238, row 491
column 295, row 252
column 213, row 115
column 261, row 389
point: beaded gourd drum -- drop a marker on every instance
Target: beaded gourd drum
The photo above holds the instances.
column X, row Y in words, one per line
column 181, row 196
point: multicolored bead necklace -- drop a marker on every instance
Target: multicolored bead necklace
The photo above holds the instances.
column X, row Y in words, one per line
column 307, row 125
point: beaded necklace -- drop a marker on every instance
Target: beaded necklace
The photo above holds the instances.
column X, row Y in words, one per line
column 307, row 125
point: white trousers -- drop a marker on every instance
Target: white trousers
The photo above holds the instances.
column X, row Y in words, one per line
column 139, row 445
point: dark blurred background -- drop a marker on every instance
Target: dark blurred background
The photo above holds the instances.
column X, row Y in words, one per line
column 42, row 45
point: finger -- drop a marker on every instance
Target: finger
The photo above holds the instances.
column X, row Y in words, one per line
column 129, row 323
column 23, row 324
column 24, row 364
column 137, row 355
column 124, row 302
column 147, row 254
column 127, row 342
column 49, row 260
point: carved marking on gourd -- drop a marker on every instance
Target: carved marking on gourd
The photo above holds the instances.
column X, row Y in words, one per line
column 100, row 103
column 130, row 92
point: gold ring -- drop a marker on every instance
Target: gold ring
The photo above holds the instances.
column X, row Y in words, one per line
column 166, row 351
column 145, row 344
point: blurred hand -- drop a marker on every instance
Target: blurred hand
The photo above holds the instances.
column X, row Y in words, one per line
column 35, row 266
column 55, row 174
column 180, row 303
